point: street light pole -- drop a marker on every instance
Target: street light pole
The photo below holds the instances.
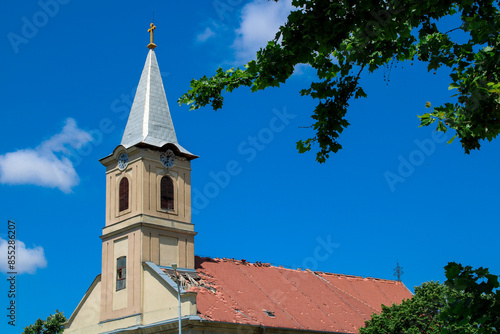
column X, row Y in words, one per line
column 174, row 266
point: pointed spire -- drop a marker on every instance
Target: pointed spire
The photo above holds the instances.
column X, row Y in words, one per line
column 149, row 121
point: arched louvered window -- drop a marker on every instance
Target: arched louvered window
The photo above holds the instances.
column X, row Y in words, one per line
column 167, row 193
column 123, row 193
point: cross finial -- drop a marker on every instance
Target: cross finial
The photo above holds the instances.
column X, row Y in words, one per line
column 151, row 45
column 398, row 271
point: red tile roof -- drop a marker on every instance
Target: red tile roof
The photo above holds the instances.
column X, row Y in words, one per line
column 260, row 294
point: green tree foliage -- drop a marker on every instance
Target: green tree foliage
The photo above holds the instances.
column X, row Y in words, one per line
column 477, row 305
column 467, row 303
column 420, row 314
column 343, row 39
column 53, row 325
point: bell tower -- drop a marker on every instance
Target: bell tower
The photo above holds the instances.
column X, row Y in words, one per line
column 148, row 199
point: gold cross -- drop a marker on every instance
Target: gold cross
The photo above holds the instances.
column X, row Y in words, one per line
column 150, row 30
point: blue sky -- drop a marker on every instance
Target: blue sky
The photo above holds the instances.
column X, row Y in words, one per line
column 394, row 192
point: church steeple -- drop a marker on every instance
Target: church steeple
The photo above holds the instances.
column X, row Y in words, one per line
column 149, row 121
column 148, row 199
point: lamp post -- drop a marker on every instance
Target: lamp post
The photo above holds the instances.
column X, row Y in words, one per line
column 174, row 266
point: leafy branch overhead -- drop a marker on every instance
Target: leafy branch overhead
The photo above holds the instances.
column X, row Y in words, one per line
column 341, row 40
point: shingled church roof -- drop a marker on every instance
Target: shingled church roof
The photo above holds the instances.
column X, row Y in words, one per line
column 232, row 291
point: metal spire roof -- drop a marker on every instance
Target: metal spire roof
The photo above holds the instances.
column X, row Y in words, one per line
column 149, row 121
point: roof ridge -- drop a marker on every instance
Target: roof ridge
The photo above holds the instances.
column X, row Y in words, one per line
column 297, row 270
column 274, row 265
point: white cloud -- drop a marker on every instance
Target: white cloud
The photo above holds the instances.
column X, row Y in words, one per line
column 205, row 35
column 261, row 20
column 48, row 165
column 27, row 260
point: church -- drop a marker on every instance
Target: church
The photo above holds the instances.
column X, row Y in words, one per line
column 152, row 282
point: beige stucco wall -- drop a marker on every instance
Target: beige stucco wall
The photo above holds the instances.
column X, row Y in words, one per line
column 85, row 319
column 140, row 244
column 169, row 252
column 115, row 304
column 143, row 224
column 144, row 172
column 120, row 248
column 153, row 252
column 159, row 304
column 86, row 316
column 143, row 232
column 160, row 300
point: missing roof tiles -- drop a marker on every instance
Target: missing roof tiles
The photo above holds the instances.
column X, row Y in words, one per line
column 269, row 313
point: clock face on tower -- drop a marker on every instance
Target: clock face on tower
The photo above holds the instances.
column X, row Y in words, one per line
column 123, row 161
column 167, row 158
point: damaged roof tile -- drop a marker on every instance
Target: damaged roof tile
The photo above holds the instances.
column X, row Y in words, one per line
column 260, row 294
